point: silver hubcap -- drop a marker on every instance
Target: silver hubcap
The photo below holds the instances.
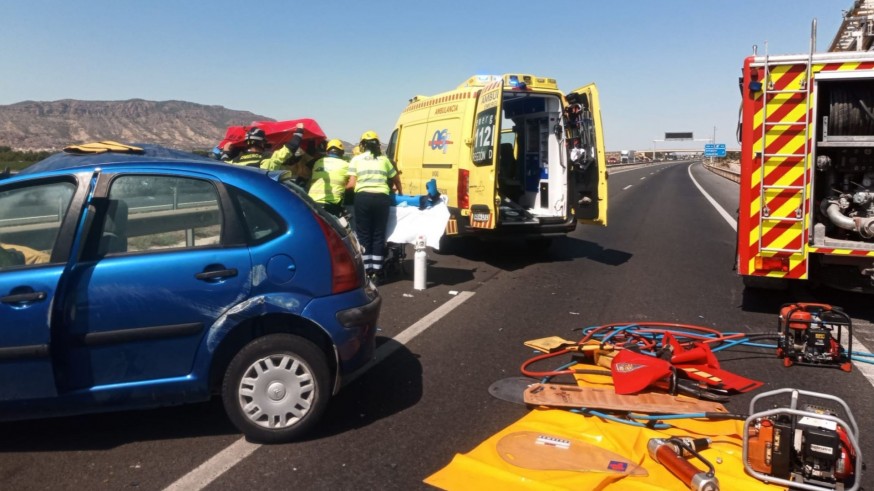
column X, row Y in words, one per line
column 277, row 391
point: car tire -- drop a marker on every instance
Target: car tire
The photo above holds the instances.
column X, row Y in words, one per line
column 276, row 388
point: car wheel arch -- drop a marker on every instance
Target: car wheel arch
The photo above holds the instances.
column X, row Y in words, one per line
column 250, row 329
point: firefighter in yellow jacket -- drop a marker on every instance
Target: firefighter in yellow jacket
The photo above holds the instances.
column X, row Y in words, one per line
column 329, row 177
column 256, row 154
column 370, row 175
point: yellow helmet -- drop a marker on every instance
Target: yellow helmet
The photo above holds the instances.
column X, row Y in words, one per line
column 335, row 143
column 369, row 135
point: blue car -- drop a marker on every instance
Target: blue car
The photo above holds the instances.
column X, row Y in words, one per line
column 154, row 277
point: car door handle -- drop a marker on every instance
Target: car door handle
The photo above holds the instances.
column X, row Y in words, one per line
column 217, row 274
column 24, row 297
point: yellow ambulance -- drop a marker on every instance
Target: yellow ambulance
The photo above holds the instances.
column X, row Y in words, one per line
column 514, row 155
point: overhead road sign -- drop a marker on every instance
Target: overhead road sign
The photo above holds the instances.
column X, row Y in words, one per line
column 679, row 135
column 714, row 150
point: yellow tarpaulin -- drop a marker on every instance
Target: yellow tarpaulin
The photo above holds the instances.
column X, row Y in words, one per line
column 102, row 147
column 484, row 468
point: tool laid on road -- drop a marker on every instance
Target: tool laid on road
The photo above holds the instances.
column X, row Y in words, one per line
column 812, row 333
column 697, row 361
column 672, row 452
column 673, row 357
column 804, row 446
column 541, row 451
column 572, row 396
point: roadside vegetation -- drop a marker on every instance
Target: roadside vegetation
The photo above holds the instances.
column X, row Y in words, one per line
column 17, row 160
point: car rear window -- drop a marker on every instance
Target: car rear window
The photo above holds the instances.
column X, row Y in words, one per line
column 287, row 180
column 261, row 222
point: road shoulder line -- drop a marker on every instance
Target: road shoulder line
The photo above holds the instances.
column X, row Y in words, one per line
column 218, row 464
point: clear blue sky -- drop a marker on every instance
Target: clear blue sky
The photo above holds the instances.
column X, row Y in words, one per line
column 660, row 66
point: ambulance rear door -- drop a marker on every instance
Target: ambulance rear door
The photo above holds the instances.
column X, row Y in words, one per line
column 586, row 155
column 486, row 142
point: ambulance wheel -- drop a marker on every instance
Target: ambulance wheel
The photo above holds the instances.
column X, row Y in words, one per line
column 276, row 388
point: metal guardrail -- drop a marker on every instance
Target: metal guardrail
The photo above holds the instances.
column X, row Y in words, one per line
column 143, row 220
column 726, row 173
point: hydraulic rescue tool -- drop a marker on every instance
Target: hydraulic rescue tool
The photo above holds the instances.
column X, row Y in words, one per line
column 811, row 334
column 672, row 453
column 804, row 446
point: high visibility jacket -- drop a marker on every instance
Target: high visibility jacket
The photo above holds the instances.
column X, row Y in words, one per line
column 272, row 161
column 329, row 180
column 371, row 173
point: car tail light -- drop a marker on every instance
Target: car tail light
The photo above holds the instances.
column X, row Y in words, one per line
column 344, row 269
column 463, row 189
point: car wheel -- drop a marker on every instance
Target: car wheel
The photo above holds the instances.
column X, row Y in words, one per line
column 276, row 388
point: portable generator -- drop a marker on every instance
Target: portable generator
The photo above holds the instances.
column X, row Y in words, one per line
column 805, row 446
column 812, row 334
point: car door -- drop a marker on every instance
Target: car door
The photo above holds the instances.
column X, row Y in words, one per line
column 161, row 266
column 38, row 221
column 486, row 142
column 589, row 178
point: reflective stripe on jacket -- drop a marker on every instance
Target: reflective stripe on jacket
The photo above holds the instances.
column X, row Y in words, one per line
column 329, row 180
column 372, row 173
column 255, row 159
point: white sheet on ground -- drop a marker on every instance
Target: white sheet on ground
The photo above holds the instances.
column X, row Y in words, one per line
column 405, row 223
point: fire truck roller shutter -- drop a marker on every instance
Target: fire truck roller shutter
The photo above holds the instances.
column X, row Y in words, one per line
column 851, row 108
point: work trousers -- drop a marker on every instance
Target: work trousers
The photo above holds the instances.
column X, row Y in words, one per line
column 371, row 219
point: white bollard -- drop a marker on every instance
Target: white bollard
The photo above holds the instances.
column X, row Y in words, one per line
column 420, row 272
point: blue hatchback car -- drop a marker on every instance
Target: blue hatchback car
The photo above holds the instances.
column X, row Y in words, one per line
column 158, row 278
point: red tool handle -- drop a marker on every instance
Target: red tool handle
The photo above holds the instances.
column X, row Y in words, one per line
column 678, row 466
column 666, row 454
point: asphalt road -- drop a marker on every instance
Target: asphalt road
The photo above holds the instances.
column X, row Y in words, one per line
column 666, row 255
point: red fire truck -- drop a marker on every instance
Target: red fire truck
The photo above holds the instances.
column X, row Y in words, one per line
column 807, row 169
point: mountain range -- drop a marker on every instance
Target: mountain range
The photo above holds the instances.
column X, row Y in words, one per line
column 52, row 125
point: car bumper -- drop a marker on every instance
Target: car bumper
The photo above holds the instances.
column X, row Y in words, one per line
column 352, row 326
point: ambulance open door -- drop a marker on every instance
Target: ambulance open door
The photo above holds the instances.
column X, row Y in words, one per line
column 586, row 155
column 486, row 143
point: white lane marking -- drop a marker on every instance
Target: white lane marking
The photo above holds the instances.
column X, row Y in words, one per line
column 208, row 471
column 221, row 462
column 409, row 333
column 642, row 178
column 626, row 187
column 731, row 221
column 866, row 369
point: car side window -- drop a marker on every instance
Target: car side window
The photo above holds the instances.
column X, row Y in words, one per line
column 30, row 218
column 151, row 213
column 261, row 223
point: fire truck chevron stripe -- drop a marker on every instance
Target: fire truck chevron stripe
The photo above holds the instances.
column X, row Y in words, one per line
column 784, row 235
column 784, row 75
column 780, row 158
column 783, row 172
column 842, row 252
